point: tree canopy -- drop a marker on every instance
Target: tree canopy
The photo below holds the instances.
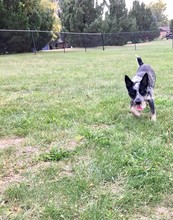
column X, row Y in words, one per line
column 26, row 15
column 87, row 16
column 145, row 22
column 80, row 15
column 158, row 9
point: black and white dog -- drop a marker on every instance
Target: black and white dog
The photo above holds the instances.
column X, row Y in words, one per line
column 140, row 89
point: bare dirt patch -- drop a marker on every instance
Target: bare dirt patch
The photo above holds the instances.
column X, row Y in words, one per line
column 19, row 159
column 4, row 143
column 116, row 187
column 165, row 209
column 164, row 213
column 66, row 170
column 7, row 180
column 16, row 158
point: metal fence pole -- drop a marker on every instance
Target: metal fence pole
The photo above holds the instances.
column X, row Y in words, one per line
column 33, row 40
column 135, row 39
column 84, row 39
column 103, row 43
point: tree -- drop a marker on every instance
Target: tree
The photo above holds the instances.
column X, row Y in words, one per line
column 145, row 22
column 158, row 9
column 80, row 16
column 143, row 16
column 116, row 14
column 26, row 15
column 116, row 22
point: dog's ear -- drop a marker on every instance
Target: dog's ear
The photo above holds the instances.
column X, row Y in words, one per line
column 128, row 82
column 144, row 80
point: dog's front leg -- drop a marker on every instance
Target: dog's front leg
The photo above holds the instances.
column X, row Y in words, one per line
column 152, row 109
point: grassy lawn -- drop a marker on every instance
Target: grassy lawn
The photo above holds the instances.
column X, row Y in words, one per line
column 70, row 149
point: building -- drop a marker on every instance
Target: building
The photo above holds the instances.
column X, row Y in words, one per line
column 163, row 31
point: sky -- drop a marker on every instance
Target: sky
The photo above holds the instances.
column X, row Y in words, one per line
column 169, row 11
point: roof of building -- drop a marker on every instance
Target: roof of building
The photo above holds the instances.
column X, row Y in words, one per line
column 164, row 28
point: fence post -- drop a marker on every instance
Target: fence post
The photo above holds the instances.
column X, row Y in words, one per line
column 84, row 42
column 103, row 43
column 64, row 44
column 135, row 39
column 34, row 47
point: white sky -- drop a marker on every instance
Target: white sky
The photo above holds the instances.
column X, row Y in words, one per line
column 169, row 3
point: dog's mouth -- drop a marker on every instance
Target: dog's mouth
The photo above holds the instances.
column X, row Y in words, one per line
column 139, row 107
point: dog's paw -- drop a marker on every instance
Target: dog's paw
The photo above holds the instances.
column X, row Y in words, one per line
column 135, row 112
column 153, row 118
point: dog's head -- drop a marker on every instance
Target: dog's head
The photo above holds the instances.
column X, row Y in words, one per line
column 137, row 90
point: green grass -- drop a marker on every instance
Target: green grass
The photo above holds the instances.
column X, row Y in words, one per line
column 55, row 154
column 82, row 155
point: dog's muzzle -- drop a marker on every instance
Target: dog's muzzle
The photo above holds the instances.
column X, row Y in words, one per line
column 138, row 102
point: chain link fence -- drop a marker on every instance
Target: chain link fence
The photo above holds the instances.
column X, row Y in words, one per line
column 17, row 41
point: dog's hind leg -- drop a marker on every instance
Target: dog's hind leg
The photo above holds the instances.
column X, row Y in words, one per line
column 152, row 109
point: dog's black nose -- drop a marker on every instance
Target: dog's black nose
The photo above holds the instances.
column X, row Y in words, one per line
column 138, row 102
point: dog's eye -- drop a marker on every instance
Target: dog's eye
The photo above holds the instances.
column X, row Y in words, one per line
column 132, row 93
column 142, row 92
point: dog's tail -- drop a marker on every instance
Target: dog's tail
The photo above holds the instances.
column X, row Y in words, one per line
column 139, row 60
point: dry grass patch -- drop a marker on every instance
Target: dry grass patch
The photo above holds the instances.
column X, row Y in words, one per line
column 16, row 159
column 7, row 142
column 10, row 179
column 115, row 187
column 66, row 169
column 69, row 144
column 163, row 211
